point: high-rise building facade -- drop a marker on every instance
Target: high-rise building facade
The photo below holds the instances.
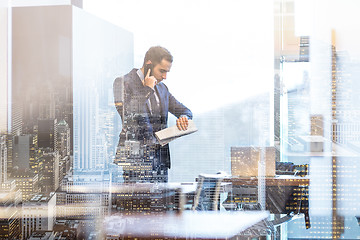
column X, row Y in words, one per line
column 27, row 182
column 49, row 172
column 38, row 213
column 10, row 221
column 23, row 151
column 3, row 159
column 84, row 196
column 11, row 217
column 63, row 139
column 47, row 134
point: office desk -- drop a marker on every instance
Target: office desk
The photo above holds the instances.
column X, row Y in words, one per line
column 188, row 224
column 285, row 194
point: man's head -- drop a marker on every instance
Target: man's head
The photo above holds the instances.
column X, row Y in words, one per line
column 156, row 54
column 161, row 59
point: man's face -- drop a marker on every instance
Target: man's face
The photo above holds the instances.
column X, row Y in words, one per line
column 160, row 70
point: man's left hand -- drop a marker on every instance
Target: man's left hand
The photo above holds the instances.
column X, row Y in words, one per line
column 182, row 123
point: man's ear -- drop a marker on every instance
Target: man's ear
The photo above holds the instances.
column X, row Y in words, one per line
column 148, row 62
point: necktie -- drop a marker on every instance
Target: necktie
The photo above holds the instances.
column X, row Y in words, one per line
column 155, row 117
column 155, row 106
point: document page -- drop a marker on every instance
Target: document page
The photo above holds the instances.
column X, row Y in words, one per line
column 168, row 134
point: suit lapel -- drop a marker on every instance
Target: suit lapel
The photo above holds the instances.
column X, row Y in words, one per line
column 148, row 106
column 138, row 84
column 161, row 95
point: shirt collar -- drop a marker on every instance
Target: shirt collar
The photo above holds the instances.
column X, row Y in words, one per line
column 140, row 74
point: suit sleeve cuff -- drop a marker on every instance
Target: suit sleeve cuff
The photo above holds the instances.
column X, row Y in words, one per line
column 184, row 116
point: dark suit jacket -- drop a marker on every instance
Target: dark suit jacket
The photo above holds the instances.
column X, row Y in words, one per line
column 131, row 101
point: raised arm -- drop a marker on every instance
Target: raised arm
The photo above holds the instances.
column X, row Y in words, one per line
column 180, row 111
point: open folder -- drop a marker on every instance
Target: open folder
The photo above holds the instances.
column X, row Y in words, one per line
column 171, row 133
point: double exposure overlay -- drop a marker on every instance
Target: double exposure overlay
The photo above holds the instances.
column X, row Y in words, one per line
column 271, row 148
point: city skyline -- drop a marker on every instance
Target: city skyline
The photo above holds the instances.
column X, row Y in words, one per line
column 297, row 105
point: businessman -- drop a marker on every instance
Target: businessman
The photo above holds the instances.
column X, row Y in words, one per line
column 143, row 102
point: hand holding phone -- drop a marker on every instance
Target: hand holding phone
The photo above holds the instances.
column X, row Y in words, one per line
column 149, row 80
column 148, row 67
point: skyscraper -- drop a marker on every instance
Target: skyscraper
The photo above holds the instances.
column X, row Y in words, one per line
column 10, row 217
column 47, row 133
column 27, row 182
column 3, row 159
column 16, row 118
column 23, row 151
column 63, row 138
column 38, row 213
column 49, row 172
column 47, row 104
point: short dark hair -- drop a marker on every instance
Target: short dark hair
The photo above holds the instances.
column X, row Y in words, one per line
column 157, row 54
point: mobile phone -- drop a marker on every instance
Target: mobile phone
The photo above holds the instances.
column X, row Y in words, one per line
column 147, row 67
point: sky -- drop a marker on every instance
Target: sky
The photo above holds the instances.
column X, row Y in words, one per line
column 222, row 50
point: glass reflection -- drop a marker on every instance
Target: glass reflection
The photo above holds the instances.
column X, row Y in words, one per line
column 59, row 128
